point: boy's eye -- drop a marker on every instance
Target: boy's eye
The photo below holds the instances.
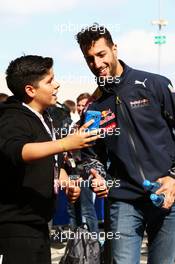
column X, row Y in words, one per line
column 50, row 80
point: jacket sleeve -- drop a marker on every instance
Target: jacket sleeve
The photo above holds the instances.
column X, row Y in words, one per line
column 14, row 134
column 166, row 96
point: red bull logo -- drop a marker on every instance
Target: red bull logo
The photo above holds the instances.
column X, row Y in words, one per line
column 106, row 116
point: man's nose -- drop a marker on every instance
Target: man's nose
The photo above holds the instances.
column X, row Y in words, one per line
column 97, row 62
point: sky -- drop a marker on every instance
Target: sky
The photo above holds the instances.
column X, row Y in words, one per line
column 48, row 28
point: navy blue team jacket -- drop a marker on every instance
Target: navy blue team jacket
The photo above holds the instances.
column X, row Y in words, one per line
column 138, row 117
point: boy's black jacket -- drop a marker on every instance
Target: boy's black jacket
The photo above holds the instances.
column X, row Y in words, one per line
column 26, row 189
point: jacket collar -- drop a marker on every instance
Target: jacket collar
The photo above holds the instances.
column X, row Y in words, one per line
column 113, row 83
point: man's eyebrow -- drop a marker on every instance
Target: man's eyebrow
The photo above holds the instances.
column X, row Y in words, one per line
column 98, row 53
column 101, row 51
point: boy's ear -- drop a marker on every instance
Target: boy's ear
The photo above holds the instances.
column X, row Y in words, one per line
column 30, row 90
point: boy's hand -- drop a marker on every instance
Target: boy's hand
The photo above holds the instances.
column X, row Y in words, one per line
column 80, row 138
column 98, row 184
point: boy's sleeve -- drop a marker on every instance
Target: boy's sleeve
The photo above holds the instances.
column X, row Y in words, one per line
column 14, row 134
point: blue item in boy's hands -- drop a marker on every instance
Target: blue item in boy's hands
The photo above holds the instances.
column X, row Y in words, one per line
column 96, row 116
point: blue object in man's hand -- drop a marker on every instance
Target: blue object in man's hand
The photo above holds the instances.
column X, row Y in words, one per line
column 157, row 200
column 151, row 186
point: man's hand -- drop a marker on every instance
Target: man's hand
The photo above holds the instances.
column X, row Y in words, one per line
column 71, row 187
column 73, row 190
column 168, row 189
column 98, row 184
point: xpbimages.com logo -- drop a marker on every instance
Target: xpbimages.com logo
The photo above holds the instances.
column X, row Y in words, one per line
column 69, row 234
column 86, row 79
column 115, row 183
column 102, row 132
column 76, row 27
column 101, row 80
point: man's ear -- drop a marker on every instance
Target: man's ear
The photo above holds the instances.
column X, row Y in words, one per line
column 30, row 90
column 114, row 48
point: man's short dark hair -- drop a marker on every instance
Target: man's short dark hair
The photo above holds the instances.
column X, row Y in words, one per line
column 28, row 69
column 87, row 36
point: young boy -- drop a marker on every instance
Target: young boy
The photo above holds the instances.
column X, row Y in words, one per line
column 29, row 161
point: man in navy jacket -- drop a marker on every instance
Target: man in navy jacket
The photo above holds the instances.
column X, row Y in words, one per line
column 138, row 118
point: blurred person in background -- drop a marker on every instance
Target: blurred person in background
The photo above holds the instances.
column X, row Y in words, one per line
column 82, row 101
column 71, row 105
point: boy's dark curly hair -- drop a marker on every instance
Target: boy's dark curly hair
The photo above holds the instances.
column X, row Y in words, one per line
column 28, row 69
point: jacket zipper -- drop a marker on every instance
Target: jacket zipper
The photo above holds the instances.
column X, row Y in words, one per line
column 131, row 136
